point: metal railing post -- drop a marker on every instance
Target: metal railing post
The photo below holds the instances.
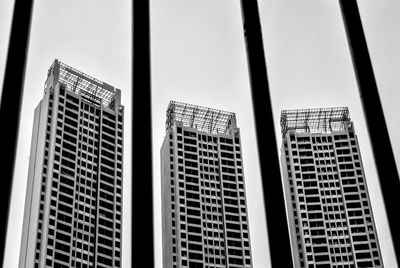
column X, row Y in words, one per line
column 375, row 119
column 10, row 106
column 278, row 232
column 142, row 174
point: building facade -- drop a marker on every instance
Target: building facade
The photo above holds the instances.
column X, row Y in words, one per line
column 73, row 205
column 327, row 203
column 204, row 212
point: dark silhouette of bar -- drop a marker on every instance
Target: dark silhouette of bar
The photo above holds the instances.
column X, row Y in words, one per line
column 376, row 124
column 278, row 232
column 10, row 106
column 142, row 177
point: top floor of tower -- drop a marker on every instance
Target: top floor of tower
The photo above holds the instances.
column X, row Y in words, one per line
column 322, row 120
column 203, row 119
column 88, row 88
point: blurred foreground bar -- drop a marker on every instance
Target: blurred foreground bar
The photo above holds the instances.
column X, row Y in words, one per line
column 10, row 106
column 142, row 179
column 373, row 112
column 278, row 232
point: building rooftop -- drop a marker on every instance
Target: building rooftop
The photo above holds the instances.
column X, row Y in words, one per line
column 87, row 86
column 322, row 120
column 201, row 118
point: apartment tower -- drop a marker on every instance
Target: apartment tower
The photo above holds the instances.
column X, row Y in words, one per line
column 73, row 202
column 205, row 222
column 327, row 203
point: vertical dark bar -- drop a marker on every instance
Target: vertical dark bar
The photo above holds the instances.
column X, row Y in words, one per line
column 279, row 242
column 142, row 179
column 377, row 129
column 10, row 106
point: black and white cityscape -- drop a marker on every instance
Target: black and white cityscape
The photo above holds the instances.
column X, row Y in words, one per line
column 215, row 143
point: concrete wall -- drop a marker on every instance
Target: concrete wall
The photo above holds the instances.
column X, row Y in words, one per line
column 289, row 207
column 32, row 198
column 166, row 204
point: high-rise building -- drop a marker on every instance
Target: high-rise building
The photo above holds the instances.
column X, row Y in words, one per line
column 73, row 202
column 327, row 203
column 204, row 212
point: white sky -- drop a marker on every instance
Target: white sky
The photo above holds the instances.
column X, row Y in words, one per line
column 199, row 57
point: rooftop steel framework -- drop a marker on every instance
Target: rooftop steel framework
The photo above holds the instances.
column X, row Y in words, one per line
column 198, row 117
column 322, row 120
column 89, row 87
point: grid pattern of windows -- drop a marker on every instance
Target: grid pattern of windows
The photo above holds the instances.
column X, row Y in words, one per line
column 330, row 212
column 207, row 196
column 80, row 211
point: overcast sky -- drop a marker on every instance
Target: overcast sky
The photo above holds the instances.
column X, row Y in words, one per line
column 199, row 57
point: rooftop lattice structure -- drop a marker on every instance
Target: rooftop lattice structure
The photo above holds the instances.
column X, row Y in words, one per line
column 201, row 118
column 322, row 120
column 87, row 86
